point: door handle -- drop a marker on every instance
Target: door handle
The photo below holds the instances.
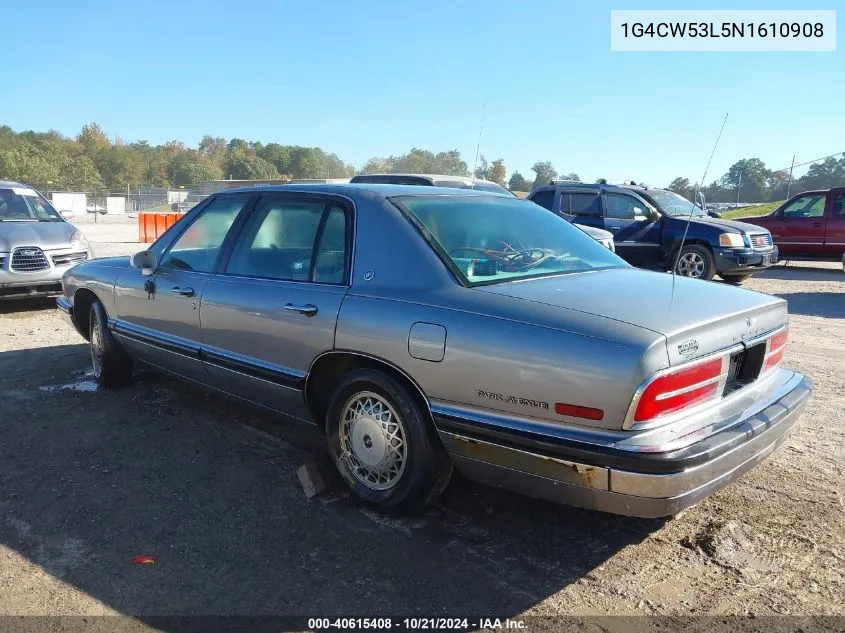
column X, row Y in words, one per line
column 817, row 223
column 184, row 292
column 308, row 309
column 614, row 229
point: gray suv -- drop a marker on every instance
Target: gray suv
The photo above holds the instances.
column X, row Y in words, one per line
column 37, row 245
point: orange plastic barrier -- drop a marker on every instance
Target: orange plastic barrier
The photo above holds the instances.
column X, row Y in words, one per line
column 153, row 224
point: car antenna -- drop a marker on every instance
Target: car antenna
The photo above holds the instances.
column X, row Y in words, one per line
column 692, row 204
column 478, row 146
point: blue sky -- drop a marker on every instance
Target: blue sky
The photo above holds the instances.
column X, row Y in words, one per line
column 373, row 78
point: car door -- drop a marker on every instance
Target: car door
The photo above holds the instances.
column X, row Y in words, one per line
column 799, row 227
column 158, row 316
column 635, row 232
column 273, row 308
column 834, row 240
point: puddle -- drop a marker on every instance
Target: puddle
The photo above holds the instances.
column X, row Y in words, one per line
column 80, row 385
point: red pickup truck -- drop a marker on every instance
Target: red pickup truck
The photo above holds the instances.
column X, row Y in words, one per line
column 810, row 225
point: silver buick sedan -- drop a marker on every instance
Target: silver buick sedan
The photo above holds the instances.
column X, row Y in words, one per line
column 37, row 246
column 423, row 328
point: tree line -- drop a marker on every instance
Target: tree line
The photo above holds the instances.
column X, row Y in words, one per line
column 95, row 163
column 749, row 180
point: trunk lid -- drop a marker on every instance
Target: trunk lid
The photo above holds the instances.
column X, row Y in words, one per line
column 696, row 317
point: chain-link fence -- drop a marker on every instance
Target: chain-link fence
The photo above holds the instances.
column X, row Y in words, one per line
column 87, row 203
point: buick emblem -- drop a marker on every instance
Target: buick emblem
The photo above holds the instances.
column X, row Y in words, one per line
column 748, row 321
column 29, row 253
column 688, row 348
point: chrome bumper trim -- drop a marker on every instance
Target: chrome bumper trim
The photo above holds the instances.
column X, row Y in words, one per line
column 628, row 492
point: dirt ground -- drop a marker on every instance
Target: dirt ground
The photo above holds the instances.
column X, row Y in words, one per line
column 90, row 478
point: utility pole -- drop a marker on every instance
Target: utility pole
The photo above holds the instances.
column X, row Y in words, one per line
column 789, row 183
column 738, row 189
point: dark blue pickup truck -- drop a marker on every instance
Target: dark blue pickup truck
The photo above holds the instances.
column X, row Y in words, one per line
column 648, row 226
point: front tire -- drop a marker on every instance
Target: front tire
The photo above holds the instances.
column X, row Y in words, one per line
column 734, row 279
column 112, row 367
column 696, row 262
column 383, row 444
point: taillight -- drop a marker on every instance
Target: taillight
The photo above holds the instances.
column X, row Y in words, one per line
column 679, row 389
column 775, row 348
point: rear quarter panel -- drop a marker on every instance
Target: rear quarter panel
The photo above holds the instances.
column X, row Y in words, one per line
column 504, row 365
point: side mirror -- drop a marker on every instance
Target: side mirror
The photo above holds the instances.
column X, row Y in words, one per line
column 146, row 261
column 66, row 214
column 714, row 214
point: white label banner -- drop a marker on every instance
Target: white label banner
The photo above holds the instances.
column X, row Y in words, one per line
column 717, row 30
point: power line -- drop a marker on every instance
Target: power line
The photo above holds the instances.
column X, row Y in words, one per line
column 815, row 160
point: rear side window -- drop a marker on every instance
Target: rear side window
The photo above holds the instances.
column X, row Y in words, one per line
column 580, row 204
column 292, row 240
column 839, row 206
column 544, row 199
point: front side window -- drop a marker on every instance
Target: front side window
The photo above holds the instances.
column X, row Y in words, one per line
column 279, row 242
column 622, row 207
column 492, row 239
column 22, row 204
column 811, row 206
column 198, row 247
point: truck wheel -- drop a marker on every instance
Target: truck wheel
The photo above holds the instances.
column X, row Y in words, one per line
column 112, row 366
column 383, row 444
column 697, row 262
column 734, row 279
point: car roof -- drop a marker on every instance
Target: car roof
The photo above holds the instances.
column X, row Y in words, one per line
column 432, row 177
column 8, row 184
column 386, row 190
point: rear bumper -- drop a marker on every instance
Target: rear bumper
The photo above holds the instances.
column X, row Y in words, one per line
column 743, row 261
column 641, row 482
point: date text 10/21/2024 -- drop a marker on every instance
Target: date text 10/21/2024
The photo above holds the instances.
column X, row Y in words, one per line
column 416, row 624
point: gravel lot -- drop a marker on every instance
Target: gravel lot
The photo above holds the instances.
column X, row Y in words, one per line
column 89, row 479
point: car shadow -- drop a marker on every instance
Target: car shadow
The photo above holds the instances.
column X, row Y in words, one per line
column 93, row 478
column 830, row 305
column 27, row 305
column 803, row 272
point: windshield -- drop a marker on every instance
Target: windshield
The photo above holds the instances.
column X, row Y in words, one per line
column 671, row 203
column 492, row 239
column 22, row 204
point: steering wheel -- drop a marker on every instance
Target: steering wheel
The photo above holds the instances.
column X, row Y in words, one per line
column 511, row 261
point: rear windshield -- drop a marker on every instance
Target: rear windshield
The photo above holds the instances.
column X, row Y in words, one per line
column 22, row 204
column 492, row 239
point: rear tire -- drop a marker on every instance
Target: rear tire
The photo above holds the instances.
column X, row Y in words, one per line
column 734, row 279
column 383, row 445
column 696, row 262
column 112, row 366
